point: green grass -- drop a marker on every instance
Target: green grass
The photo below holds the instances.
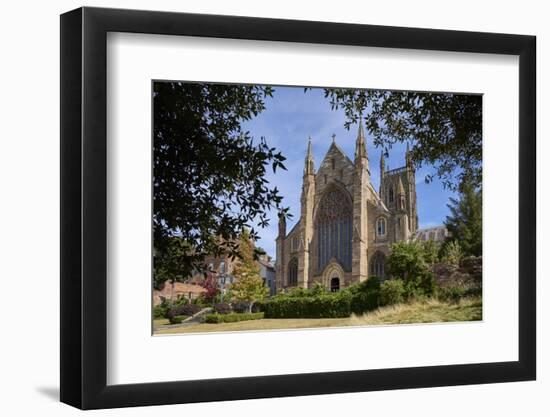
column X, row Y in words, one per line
column 428, row 311
column 160, row 322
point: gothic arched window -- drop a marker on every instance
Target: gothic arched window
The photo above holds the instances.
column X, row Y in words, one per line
column 381, row 227
column 378, row 265
column 333, row 230
column 293, row 272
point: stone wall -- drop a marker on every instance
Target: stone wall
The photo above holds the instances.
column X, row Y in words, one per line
column 468, row 273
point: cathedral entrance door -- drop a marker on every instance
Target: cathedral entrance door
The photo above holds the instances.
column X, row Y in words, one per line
column 335, row 284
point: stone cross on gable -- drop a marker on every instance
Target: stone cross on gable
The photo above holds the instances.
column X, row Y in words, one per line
column 334, row 137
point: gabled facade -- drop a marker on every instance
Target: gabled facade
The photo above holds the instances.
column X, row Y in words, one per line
column 346, row 227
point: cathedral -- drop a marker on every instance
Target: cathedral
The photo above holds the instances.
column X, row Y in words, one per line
column 346, row 227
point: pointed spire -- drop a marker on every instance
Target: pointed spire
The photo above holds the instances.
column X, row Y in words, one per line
column 309, row 165
column 400, row 188
column 360, row 143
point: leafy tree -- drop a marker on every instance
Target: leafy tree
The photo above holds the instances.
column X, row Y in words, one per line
column 465, row 222
column 248, row 286
column 169, row 264
column 209, row 174
column 444, row 128
column 407, row 260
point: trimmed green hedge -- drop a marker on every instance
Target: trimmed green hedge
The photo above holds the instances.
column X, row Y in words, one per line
column 322, row 306
column 356, row 299
column 232, row 317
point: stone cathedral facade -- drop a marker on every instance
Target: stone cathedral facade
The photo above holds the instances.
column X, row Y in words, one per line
column 346, row 226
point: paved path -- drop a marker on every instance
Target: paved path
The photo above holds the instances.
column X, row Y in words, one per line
column 190, row 321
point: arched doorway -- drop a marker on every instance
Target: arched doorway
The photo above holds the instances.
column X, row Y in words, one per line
column 335, row 284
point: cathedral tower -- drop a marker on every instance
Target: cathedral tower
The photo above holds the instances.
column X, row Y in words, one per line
column 402, row 229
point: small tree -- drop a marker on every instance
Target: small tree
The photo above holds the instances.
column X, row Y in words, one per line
column 465, row 222
column 248, row 286
column 407, row 260
column 211, row 286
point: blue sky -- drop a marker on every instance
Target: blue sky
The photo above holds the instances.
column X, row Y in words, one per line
column 291, row 116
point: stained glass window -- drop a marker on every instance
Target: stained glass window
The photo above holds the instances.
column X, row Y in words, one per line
column 334, row 230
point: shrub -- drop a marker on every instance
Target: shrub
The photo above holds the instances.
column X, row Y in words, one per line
column 363, row 302
column 370, row 285
column 452, row 293
column 323, row 306
column 159, row 312
column 242, row 307
column 222, row 308
column 413, row 290
column 317, row 289
column 365, row 295
column 162, row 309
column 176, row 319
column 184, row 310
column 392, row 292
column 232, row 317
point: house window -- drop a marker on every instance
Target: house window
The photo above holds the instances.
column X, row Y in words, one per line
column 381, row 226
column 333, row 163
column 210, row 266
column 390, row 195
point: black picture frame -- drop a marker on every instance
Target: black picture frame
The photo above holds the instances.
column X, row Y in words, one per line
column 84, row 207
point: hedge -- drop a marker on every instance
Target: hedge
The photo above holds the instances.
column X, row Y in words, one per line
column 322, row 306
column 232, row 317
column 184, row 310
column 357, row 299
column 177, row 319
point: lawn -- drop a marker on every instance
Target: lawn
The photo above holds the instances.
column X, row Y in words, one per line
column 431, row 311
column 160, row 322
